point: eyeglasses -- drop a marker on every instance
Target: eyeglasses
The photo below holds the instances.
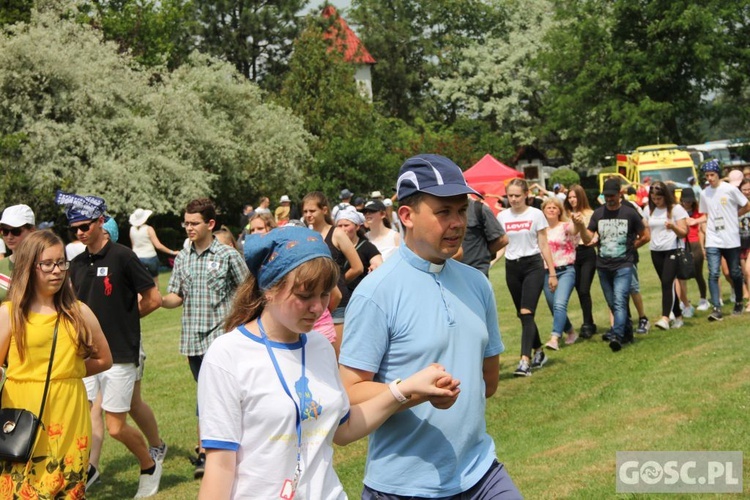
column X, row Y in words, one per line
column 191, row 224
column 47, row 266
column 15, row 231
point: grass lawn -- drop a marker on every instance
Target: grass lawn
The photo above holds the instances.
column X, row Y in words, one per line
column 557, row 431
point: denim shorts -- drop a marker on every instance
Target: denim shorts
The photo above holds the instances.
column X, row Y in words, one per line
column 152, row 264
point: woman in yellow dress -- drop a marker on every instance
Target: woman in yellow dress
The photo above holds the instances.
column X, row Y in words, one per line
column 41, row 293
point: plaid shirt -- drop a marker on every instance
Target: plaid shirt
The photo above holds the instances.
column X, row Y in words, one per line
column 206, row 283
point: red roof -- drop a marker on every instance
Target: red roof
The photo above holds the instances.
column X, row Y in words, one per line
column 348, row 44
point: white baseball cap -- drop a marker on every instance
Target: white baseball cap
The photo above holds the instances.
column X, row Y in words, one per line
column 17, row 216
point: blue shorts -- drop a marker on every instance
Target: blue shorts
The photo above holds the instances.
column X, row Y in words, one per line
column 338, row 315
column 496, row 483
column 152, row 264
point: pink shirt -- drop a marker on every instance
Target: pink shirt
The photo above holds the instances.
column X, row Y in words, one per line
column 324, row 326
column 562, row 243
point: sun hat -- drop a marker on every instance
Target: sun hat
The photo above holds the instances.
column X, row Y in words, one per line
column 611, row 186
column 374, row 206
column 431, row 174
column 273, row 255
column 17, row 216
column 284, row 199
column 139, row 217
column 351, row 214
column 376, row 194
column 735, row 178
column 80, row 208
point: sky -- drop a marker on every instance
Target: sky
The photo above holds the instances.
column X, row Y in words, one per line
column 339, row 4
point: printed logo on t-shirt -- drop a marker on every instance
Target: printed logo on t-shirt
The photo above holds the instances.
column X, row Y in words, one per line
column 613, row 238
column 102, row 271
column 308, row 406
column 522, row 225
column 107, row 286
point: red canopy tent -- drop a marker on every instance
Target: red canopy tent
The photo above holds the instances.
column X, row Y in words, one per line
column 489, row 176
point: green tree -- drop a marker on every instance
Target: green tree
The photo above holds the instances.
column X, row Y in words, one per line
column 497, row 80
column 320, row 89
column 85, row 118
column 154, row 32
column 414, row 41
column 624, row 74
column 254, row 35
column 13, row 11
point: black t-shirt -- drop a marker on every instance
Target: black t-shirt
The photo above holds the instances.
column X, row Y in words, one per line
column 617, row 230
column 479, row 232
column 109, row 283
column 366, row 251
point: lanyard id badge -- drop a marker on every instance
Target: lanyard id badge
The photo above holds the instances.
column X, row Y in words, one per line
column 289, row 488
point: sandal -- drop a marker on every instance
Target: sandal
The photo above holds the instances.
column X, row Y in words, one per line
column 553, row 344
column 571, row 338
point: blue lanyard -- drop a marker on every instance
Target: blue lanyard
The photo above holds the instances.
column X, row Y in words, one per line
column 298, row 413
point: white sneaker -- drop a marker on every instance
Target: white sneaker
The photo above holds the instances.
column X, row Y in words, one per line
column 688, row 312
column 148, row 484
column 158, row 453
column 662, row 324
column 677, row 323
column 703, row 305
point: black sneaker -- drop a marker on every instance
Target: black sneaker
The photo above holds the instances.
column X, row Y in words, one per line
column 539, row 359
column 587, row 331
column 615, row 344
column 643, row 325
column 738, row 309
column 200, row 465
column 91, row 477
column 608, row 335
column 716, row 315
column 523, row 369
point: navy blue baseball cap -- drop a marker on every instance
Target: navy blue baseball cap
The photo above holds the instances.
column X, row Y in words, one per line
column 431, row 174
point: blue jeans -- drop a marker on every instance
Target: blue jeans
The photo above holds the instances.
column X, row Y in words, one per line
column 732, row 256
column 616, row 289
column 558, row 301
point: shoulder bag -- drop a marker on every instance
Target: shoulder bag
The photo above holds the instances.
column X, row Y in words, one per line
column 684, row 256
column 19, row 427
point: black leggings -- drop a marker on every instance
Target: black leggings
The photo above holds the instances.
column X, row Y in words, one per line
column 585, row 271
column 665, row 264
column 697, row 250
column 525, row 280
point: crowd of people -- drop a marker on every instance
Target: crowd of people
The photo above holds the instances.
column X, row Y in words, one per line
column 298, row 332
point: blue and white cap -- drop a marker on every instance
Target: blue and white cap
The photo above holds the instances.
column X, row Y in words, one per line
column 431, row 174
column 711, row 166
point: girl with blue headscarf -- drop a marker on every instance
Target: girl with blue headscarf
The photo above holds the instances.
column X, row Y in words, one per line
column 269, row 393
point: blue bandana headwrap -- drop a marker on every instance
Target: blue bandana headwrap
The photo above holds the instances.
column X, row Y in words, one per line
column 111, row 227
column 80, row 208
column 273, row 255
column 711, row 166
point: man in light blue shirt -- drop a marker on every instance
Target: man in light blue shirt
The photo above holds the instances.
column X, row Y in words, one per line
column 422, row 307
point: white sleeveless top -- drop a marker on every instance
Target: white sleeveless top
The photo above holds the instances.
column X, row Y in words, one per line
column 386, row 244
column 142, row 245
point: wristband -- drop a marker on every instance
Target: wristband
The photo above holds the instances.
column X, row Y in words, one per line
column 393, row 386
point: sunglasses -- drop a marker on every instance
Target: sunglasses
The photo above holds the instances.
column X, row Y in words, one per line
column 15, row 231
column 83, row 228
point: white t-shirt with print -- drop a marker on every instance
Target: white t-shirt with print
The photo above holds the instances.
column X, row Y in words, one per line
column 720, row 204
column 663, row 239
column 243, row 407
column 522, row 231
